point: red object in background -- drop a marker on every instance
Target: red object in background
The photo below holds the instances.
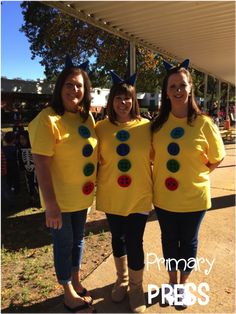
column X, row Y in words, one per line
column 227, row 123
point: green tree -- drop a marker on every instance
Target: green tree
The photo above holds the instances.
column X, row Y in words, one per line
column 52, row 34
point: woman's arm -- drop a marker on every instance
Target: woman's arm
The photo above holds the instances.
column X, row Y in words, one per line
column 53, row 212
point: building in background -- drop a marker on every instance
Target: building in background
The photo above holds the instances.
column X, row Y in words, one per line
column 23, row 98
column 26, row 98
column 149, row 101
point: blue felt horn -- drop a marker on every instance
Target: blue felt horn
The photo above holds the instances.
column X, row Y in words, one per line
column 184, row 64
column 116, row 79
column 69, row 63
column 167, row 65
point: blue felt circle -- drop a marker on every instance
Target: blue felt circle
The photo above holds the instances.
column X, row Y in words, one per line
column 84, row 131
column 87, row 150
column 177, row 132
column 123, row 149
column 122, row 135
column 173, row 149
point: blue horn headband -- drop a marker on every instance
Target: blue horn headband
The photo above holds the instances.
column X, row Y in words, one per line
column 69, row 64
column 118, row 80
column 169, row 66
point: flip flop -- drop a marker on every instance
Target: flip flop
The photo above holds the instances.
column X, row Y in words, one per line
column 83, row 294
column 83, row 306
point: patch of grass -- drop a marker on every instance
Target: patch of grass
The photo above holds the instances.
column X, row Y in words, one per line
column 24, row 276
column 29, row 283
column 27, row 212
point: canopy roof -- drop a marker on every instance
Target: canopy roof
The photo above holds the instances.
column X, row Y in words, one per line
column 203, row 31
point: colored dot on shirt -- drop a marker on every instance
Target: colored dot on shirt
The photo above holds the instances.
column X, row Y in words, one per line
column 88, row 169
column 173, row 149
column 172, row 165
column 87, row 150
column 123, row 149
column 124, row 165
column 124, row 181
column 171, row 184
column 122, row 135
column 84, row 131
column 88, row 188
column 177, row 132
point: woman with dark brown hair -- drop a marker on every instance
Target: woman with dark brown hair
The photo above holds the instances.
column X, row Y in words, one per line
column 64, row 144
column 124, row 187
column 187, row 146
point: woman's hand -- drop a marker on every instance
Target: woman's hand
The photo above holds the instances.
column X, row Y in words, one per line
column 53, row 217
column 213, row 166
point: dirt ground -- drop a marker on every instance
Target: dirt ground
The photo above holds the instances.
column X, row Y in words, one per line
column 97, row 242
column 28, row 278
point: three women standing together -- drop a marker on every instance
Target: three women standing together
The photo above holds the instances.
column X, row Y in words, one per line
column 185, row 146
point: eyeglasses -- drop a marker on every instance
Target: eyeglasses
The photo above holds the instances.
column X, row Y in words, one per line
column 72, row 86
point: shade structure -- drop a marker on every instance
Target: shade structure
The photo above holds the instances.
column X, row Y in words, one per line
column 203, row 31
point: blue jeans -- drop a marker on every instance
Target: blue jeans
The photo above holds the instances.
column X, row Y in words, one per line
column 68, row 243
column 127, row 237
column 179, row 236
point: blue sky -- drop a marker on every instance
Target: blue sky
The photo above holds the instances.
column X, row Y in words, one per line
column 16, row 59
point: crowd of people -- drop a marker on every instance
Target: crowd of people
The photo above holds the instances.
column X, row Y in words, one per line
column 134, row 161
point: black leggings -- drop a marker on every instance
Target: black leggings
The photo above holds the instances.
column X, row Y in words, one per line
column 179, row 236
column 127, row 237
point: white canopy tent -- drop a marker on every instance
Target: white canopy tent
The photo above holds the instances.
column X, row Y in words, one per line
column 203, row 31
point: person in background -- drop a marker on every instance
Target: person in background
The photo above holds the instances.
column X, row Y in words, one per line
column 5, row 195
column 18, row 122
column 124, row 186
column 215, row 114
column 188, row 147
column 17, row 129
column 13, row 173
column 27, row 164
column 63, row 145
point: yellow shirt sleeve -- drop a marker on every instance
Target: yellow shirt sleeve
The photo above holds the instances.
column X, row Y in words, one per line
column 42, row 134
column 215, row 150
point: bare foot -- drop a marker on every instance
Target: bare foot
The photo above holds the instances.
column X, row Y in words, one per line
column 78, row 305
column 83, row 293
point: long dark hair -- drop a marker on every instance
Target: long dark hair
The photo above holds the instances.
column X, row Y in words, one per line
column 165, row 108
column 57, row 103
column 127, row 90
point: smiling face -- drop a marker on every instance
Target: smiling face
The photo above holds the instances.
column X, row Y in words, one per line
column 178, row 89
column 72, row 92
column 122, row 105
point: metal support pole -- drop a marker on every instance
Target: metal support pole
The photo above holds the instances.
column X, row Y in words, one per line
column 219, row 91
column 205, row 92
column 227, row 103
column 219, row 95
column 132, row 56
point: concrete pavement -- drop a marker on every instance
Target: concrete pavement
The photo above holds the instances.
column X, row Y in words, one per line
column 216, row 245
column 216, row 250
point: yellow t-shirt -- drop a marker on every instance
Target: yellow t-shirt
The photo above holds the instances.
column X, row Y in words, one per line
column 124, row 182
column 181, row 178
column 72, row 144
